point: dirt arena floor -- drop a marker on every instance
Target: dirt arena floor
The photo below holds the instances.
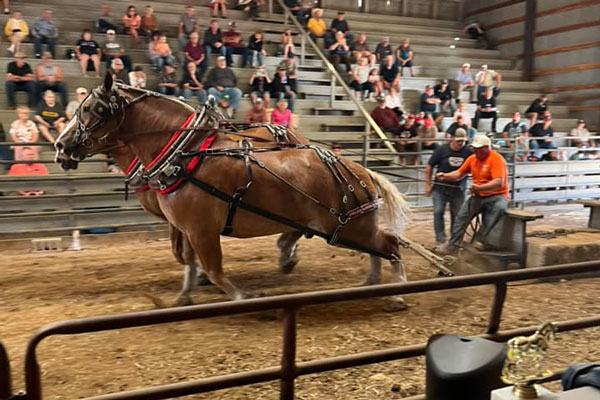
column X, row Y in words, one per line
column 38, row 289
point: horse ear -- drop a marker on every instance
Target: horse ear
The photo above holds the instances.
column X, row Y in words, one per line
column 108, row 82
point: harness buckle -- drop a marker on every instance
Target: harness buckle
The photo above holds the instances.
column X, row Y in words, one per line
column 343, row 219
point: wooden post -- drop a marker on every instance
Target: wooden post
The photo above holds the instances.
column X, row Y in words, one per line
column 529, row 40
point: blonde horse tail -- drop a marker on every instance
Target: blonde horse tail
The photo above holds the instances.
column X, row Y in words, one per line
column 396, row 210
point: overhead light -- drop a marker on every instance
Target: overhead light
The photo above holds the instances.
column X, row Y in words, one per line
column 388, row 2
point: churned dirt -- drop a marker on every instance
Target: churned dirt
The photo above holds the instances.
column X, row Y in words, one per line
column 38, row 289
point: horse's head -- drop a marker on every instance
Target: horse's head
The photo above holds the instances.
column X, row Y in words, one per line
column 95, row 124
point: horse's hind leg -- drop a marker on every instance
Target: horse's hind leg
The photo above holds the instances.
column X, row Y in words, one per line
column 208, row 249
column 374, row 276
column 189, row 257
column 288, row 243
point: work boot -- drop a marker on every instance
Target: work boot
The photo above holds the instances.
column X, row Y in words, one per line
column 445, row 249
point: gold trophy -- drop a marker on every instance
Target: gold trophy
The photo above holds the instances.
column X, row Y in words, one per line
column 523, row 365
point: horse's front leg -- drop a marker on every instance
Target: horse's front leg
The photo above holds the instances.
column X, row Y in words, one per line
column 288, row 243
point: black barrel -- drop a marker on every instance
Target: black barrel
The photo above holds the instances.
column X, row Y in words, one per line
column 463, row 368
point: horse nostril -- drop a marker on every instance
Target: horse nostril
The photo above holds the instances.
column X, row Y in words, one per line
column 59, row 146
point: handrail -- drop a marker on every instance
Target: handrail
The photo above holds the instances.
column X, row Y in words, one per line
column 305, row 37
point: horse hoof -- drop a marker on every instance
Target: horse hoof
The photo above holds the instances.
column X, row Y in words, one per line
column 395, row 305
column 288, row 266
column 183, row 301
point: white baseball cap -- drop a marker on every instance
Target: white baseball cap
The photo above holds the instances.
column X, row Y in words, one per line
column 481, row 141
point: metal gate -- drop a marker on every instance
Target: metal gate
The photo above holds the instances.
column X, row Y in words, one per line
column 289, row 369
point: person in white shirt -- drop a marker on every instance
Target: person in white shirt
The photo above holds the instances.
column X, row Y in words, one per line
column 81, row 93
column 360, row 80
column 463, row 79
column 485, row 78
column 393, row 101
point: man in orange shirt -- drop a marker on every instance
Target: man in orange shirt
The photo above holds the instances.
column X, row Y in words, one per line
column 489, row 192
column 30, row 168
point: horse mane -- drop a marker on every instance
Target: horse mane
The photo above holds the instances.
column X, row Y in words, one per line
column 123, row 86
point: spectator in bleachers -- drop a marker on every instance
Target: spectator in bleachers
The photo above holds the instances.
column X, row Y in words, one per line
column 447, row 158
column 486, row 108
column 281, row 115
column 489, row 193
column 463, row 112
column 458, row 124
column 428, row 131
column 286, row 45
column 551, row 155
column 301, row 13
column 514, row 129
column 541, row 135
column 336, row 149
column 281, row 88
column 579, row 136
column 258, row 113
column 113, row 49
column 537, row 109
column 291, row 70
column 87, row 49
column 383, row 49
column 316, row 25
column 339, row 24
column 221, row 79
column 477, row 32
column 213, row 40
column 250, row 7
column 117, row 69
column 50, row 117
column 49, row 76
column 44, row 31
column 167, row 84
column 522, row 151
column 29, row 168
column 131, row 24
column 389, row 73
column 23, row 130
column 137, row 78
column 152, row 53
column 463, row 79
column 105, row 21
column 404, row 56
column 447, row 104
column 216, row 6
column 188, row 23
column 233, row 45
column 408, row 131
column 429, row 102
column 194, row 52
column 420, row 118
column 485, row 78
column 224, row 106
column 259, row 85
column 20, row 78
column 375, row 80
column 339, row 52
column 73, row 105
column 360, row 49
column 257, row 50
column 16, row 29
column 149, row 23
column 191, row 84
column 385, row 118
column 163, row 52
column 363, row 89
column 393, row 101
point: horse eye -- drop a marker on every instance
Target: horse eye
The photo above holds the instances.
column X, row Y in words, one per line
column 86, row 108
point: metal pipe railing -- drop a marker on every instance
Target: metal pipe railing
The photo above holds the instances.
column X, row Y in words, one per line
column 335, row 76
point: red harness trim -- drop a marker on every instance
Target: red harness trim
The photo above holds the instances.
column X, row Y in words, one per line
column 131, row 165
column 144, row 188
column 171, row 141
column 206, row 143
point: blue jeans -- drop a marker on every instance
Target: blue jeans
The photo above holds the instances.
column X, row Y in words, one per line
column 234, row 93
column 491, row 207
column 200, row 94
column 221, row 51
column 257, row 58
column 159, row 62
column 37, row 45
column 442, row 196
column 229, row 52
column 29, row 87
column 289, row 96
column 169, row 91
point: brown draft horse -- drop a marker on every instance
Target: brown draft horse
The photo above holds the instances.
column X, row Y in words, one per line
column 180, row 246
column 295, row 184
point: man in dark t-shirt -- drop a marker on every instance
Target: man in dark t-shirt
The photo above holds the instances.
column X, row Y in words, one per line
column 460, row 123
column 383, row 49
column 390, row 74
column 486, row 108
column 20, row 78
column 447, row 158
column 429, row 102
column 543, row 133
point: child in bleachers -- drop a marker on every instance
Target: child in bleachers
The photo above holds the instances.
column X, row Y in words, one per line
column 375, row 80
column 281, row 115
column 286, row 46
column 257, row 50
column 259, row 85
column 137, row 78
column 16, row 29
column 23, row 130
column 164, row 52
column 258, row 113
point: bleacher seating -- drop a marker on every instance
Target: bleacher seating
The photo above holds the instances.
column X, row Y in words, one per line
column 440, row 47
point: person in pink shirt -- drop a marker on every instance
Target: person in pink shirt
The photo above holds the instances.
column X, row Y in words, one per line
column 282, row 115
column 132, row 22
